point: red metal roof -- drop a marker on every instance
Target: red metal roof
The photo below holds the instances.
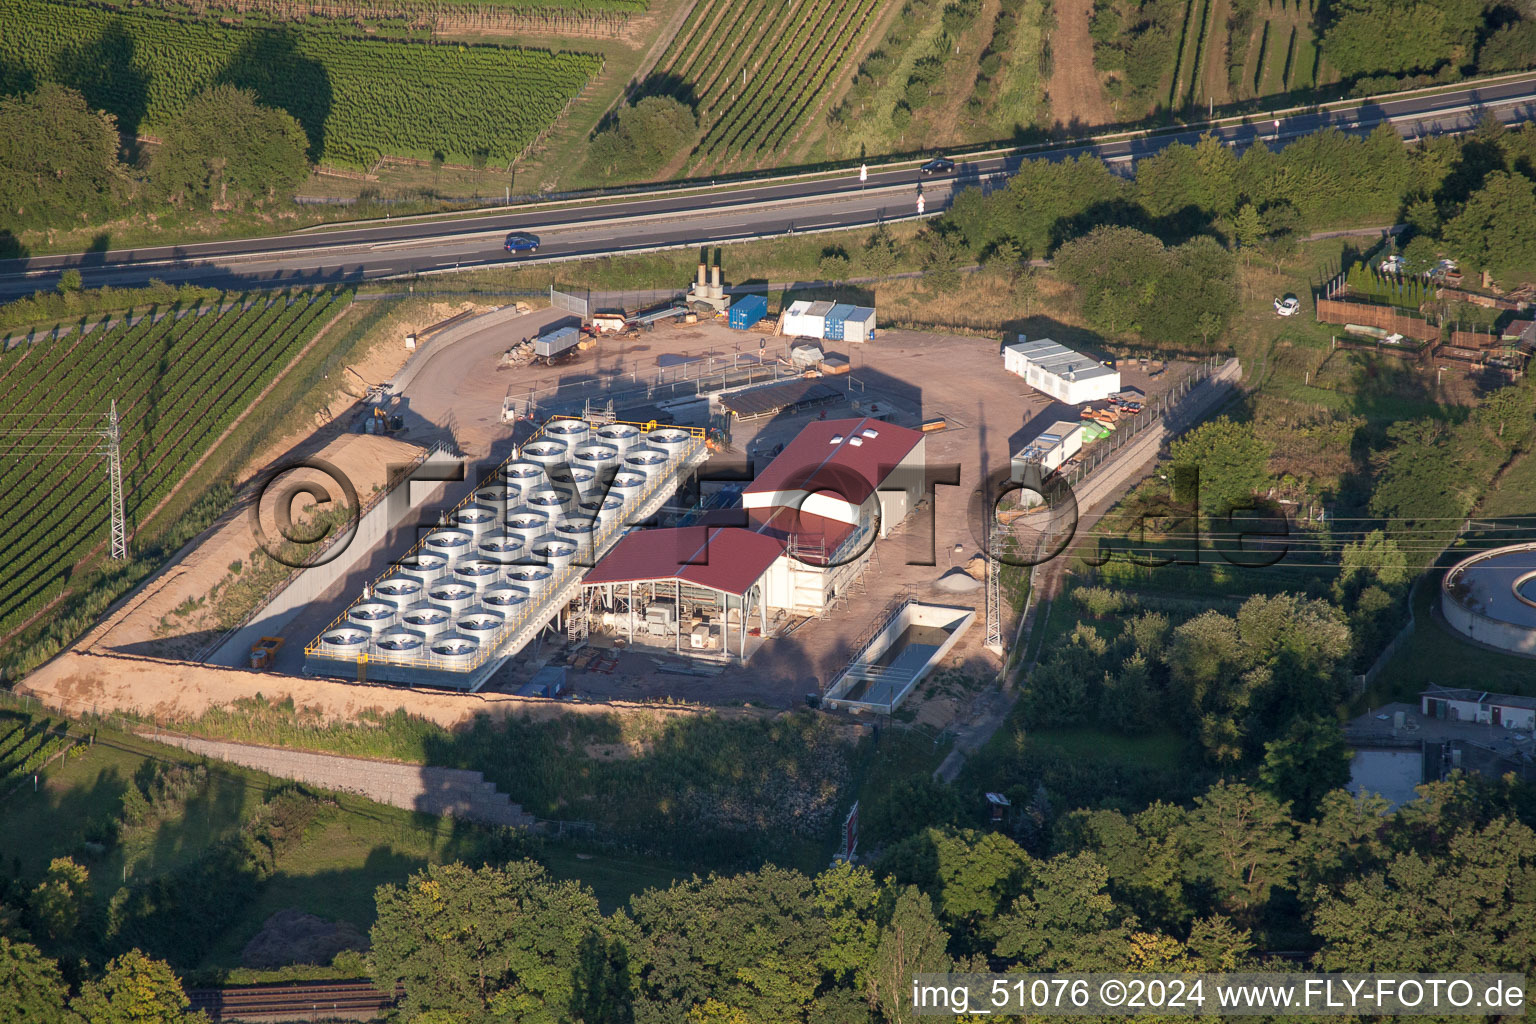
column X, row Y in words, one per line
column 853, row 468
column 816, row 538
column 719, row 557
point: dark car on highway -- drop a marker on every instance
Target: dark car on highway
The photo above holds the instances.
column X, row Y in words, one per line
column 517, row 241
column 938, row 165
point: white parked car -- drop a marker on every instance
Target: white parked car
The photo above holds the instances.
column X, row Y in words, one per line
column 1392, row 264
column 1288, row 306
column 1392, row 339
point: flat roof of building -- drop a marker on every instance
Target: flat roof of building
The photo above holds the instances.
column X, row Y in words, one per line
column 767, row 398
column 725, row 558
column 1054, row 357
column 1503, row 700
column 850, row 458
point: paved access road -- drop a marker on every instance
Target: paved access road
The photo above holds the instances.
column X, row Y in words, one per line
column 637, row 222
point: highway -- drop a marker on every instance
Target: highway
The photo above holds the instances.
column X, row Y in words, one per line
column 351, row 254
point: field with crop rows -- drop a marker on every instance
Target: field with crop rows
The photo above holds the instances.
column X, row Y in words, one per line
column 357, row 98
column 178, row 381
column 26, row 744
column 755, row 70
column 1236, row 50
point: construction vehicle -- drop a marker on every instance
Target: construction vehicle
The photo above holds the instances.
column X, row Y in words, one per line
column 264, row 652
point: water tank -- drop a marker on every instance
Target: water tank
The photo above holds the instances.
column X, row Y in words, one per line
column 579, row 528
column 528, row 523
column 584, row 480
column 622, row 436
column 401, row 645
column 345, row 641
column 478, row 572
column 554, row 551
column 546, row 453
column 508, row 598
column 670, row 440
column 553, row 500
column 481, row 622
column 477, row 519
column 628, row 485
column 455, row 651
column 597, row 455
column 606, row 511
column 571, row 431
column 500, row 496
column 533, row 578
column 502, row 546
column 400, row 590
column 373, row 616
column 424, row 565
column 453, row 595
column 450, row 542
column 648, row 462
column 524, row 475
column 427, row 619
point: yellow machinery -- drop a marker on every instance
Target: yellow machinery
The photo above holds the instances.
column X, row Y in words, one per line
column 264, row 652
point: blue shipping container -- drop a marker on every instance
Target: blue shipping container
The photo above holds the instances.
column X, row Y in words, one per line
column 833, row 331
column 747, row 312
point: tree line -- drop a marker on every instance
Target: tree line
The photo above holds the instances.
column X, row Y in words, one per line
column 1444, row 883
column 1155, row 255
column 62, row 164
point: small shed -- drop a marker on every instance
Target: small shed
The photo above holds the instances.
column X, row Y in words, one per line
column 813, row 322
column 859, row 325
column 795, row 322
column 745, row 314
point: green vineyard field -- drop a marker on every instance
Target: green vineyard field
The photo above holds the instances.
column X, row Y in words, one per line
column 358, row 99
column 756, row 69
column 26, row 744
column 179, row 381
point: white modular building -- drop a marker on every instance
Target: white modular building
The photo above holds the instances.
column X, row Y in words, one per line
column 1067, row 376
column 1060, row 441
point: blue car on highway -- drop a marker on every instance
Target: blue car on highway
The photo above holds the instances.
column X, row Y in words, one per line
column 519, row 241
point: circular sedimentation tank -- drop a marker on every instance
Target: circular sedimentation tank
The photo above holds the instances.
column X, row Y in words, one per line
column 1491, row 598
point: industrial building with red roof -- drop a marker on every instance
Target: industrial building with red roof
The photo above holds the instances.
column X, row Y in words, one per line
column 811, row 518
